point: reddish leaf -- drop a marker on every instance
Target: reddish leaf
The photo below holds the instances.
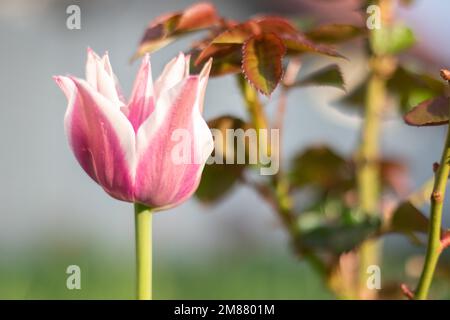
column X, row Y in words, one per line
column 165, row 28
column 277, row 25
column 334, row 33
column 298, row 44
column 238, row 34
column 227, row 59
column 294, row 39
column 198, row 16
column 262, row 61
column 431, row 112
column 241, row 32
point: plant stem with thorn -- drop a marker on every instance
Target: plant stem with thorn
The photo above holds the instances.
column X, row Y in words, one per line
column 434, row 247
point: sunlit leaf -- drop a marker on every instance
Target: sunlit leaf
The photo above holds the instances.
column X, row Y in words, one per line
column 262, row 61
column 295, row 41
column 164, row 29
column 227, row 59
column 237, row 34
column 241, row 32
column 328, row 76
column 277, row 25
column 198, row 16
column 299, row 44
column 335, row 33
column 431, row 112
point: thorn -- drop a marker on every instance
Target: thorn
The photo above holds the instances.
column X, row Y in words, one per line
column 445, row 74
column 436, row 167
column 445, row 240
column 436, row 196
column 407, row 292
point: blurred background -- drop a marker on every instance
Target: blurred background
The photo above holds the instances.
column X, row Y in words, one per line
column 53, row 216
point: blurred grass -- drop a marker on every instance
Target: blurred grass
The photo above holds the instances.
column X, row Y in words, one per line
column 43, row 276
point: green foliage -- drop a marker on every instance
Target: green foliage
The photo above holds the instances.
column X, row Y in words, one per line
column 408, row 219
column 335, row 33
column 340, row 237
column 332, row 226
column 391, row 39
column 320, row 166
column 406, row 87
column 328, row 76
column 261, row 62
column 219, row 179
column 254, row 47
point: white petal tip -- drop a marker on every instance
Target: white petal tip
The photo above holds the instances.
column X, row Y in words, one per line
column 206, row 69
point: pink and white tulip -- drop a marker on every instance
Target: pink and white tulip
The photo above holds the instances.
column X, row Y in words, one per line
column 126, row 147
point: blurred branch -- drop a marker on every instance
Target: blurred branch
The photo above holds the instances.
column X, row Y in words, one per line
column 368, row 169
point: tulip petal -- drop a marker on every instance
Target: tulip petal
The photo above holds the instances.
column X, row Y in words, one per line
column 160, row 181
column 108, row 69
column 100, row 76
column 174, row 72
column 141, row 103
column 101, row 138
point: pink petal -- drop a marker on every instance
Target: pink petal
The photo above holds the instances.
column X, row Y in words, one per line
column 101, row 138
column 141, row 103
column 100, row 76
column 161, row 183
column 174, row 72
column 108, row 69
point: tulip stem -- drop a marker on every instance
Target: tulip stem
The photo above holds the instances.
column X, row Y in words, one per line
column 143, row 232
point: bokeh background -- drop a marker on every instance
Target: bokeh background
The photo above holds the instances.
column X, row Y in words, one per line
column 52, row 215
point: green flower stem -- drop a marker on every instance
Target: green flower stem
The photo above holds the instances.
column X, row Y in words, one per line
column 434, row 231
column 143, row 227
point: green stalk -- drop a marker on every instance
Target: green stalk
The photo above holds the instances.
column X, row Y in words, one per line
column 143, row 227
column 434, row 229
column 368, row 173
column 253, row 104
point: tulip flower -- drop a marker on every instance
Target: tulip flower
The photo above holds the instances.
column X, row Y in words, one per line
column 128, row 147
